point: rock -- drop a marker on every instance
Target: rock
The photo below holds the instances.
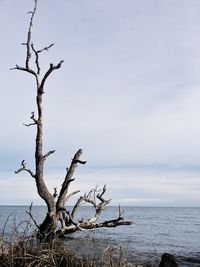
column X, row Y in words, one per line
column 168, row 260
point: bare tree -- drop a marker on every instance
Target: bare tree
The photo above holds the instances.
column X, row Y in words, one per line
column 58, row 219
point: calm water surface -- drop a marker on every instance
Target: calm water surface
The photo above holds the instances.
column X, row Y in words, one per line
column 155, row 231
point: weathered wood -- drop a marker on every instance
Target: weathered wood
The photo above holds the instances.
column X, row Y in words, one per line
column 68, row 179
column 56, row 211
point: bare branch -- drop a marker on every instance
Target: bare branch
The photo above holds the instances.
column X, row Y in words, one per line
column 28, row 43
column 67, row 223
column 87, row 198
column 45, row 48
column 48, row 154
column 68, row 179
column 30, row 124
column 50, row 70
column 98, row 207
column 24, row 69
column 91, row 199
column 75, row 208
column 85, row 225
column 120, row 212
column 23, row 168
column 33, row 118
column 36, row 52
column 23, row 163
column 36, row 59
column 72, row 221
column 113, row 223
column 99, row 196
column 80, row 161
column 31, row 215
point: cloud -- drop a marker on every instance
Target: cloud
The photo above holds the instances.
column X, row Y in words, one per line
column 138, row 186
column 127, row 94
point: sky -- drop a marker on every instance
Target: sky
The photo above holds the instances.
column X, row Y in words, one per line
column 128, row 94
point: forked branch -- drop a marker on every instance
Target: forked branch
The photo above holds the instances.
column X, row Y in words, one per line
column 36, row 52
column 49, row 71
column 23, row 168
column 35, row 122
column 17, row 67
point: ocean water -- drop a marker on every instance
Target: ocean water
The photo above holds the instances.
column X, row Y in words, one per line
column 154, row 231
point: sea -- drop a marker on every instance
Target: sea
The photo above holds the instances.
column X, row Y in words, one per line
column 155, row 230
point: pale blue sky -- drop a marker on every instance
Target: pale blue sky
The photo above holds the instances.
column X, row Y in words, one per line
column 128, row 94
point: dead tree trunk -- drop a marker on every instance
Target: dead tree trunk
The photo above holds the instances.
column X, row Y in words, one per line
column 57, row 213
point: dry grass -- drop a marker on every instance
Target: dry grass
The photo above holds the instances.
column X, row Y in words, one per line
column 22, row 249
column 56, row 253
column 46, row 254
